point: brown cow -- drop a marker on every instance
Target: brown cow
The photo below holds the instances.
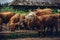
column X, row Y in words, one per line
column 29, row 19
column 48, row 21
column 14, row 21
column 6, row 16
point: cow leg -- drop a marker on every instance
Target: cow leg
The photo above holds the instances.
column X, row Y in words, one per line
column 56, row 28
column 41, row 32
column 28, row 25
column 16, row 27
column 44, row 29
column 51, row 31
column 12, row 28
column 19, row 27
column 1, row 28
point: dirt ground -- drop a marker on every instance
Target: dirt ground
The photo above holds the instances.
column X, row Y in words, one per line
column 45, row 38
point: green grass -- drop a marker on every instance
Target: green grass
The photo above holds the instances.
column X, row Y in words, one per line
column 10, row 9
column 55, row 11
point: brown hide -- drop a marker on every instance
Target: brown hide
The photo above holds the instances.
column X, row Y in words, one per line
column 43, row 12
column 1, row 21
column 6, row 16
column 1, row 24
column 49, row 21
column 14, row 21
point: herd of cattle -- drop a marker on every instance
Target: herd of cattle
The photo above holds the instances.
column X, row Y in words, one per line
column 40, row 20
